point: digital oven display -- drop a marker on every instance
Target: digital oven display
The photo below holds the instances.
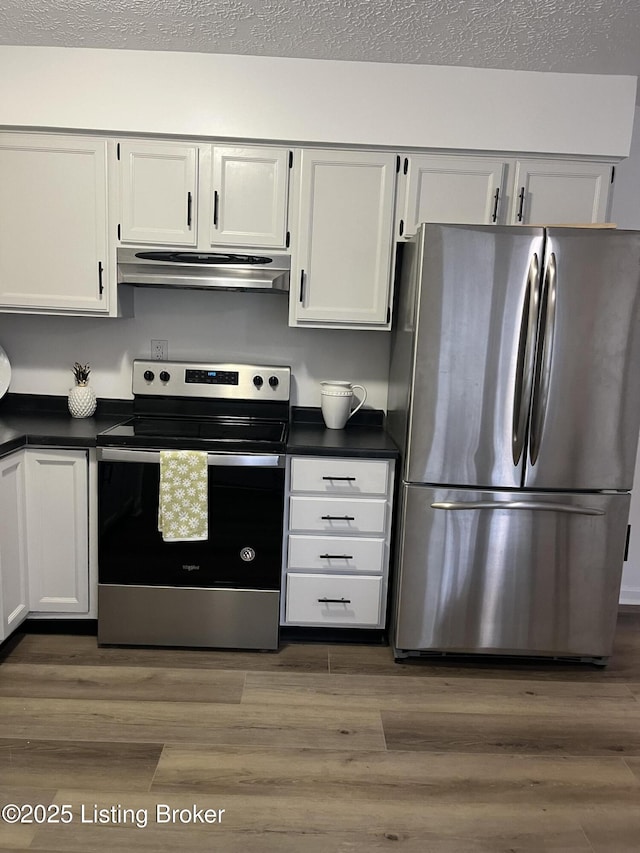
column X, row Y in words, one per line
column 211, row 377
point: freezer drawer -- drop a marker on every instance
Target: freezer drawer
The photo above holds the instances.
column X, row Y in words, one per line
column 509, row 572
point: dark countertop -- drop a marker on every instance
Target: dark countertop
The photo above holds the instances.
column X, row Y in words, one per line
column 364, row 435
column 45, row 421
column 42, row 421
column 354, row 440
column 51, row 430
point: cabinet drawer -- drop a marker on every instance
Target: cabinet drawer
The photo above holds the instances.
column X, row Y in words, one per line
column 333, row 600
column 337, row 515
column 340, row 476
column 336, row 554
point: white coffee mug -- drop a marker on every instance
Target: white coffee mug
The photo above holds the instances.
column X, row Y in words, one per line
column 336, row 399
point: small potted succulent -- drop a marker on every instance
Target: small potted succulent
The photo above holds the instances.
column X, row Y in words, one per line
column 82, row 398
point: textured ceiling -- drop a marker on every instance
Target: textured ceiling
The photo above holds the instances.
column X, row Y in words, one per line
column 584, row 36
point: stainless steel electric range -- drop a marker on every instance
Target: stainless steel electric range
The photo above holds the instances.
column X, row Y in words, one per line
column 223, row 589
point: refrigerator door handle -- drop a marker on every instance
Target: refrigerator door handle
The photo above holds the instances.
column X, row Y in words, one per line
column 526, row 360
column 531, row 505
column 545, row 353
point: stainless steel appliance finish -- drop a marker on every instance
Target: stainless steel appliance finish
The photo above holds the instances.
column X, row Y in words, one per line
column 187, row 616
column 224, row 591
column 512, row 394
column 208, row 270
column 252, row 382
column 498, row 570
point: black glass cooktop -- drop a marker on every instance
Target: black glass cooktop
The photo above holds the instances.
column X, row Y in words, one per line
column 171, row 433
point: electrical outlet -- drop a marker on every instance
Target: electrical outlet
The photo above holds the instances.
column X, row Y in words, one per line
column 160, row 350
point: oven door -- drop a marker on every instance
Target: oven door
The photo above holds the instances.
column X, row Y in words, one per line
column 223, row 592
column 245, row 520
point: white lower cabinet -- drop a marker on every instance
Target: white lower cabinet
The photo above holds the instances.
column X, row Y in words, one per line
column 337, row 532
column 334, row 600
column 14, row 604
column 57, row 530
column 332, row 553
column 338, row 515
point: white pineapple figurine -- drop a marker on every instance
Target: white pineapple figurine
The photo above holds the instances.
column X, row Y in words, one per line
column 82, row 398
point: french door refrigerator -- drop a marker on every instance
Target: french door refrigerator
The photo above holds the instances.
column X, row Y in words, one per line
column 514, row 393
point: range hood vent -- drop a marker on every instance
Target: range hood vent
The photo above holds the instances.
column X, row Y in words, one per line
column 204, row 270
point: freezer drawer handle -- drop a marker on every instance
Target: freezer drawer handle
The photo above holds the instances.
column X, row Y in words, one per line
column 338, row 517
column 336, row 556
column 348, row 479
column 334, row 600
column 534, row 505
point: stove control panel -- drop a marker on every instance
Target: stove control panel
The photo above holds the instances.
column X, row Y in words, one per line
column 218, row 381
column 211, row 377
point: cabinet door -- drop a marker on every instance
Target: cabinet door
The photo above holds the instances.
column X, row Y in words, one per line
column 250, row 191
column 14, row 605
column 341, row 265
column 466, row 190
column 548, row 192
column 158, row 193
column 58, row 530
column 53, row 222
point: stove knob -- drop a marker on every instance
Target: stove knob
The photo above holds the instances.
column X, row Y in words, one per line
column 164, row 376
column 258, row 381
column 274, row 381
column 149, row 375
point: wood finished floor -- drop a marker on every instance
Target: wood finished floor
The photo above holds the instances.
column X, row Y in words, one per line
column 319, row 749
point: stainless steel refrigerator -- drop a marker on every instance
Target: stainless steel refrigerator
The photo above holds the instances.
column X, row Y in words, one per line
column 514, row 395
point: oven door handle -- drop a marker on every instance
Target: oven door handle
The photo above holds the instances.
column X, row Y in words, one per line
column 226, row 460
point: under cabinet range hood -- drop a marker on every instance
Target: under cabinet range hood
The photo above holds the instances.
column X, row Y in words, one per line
column 207, row 270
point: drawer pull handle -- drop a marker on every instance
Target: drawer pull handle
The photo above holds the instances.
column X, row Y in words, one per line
column 338, row 517
column 334, row 600
column 348, row 479
column 336, row 556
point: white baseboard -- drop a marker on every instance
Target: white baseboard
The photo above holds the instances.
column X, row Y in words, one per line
column 630, row 595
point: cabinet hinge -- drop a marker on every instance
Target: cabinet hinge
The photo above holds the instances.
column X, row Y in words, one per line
column 406, row 165
column 401, row 227
column 290, row 159
column 287, row 240
column 118, row 150
column 118, row 230
column 397, row 163
column 626, row 545
column 613, row 173
column 388, row 313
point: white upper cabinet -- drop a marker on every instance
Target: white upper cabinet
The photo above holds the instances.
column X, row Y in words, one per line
column 202, row 196
column 489, row 190
column 53, row 223
column 342, row 239
column 250, row 192
column 158, row 193
column 556, row 192
column 467, row 190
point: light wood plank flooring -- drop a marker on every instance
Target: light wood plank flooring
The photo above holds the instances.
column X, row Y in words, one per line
column 318, row 748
